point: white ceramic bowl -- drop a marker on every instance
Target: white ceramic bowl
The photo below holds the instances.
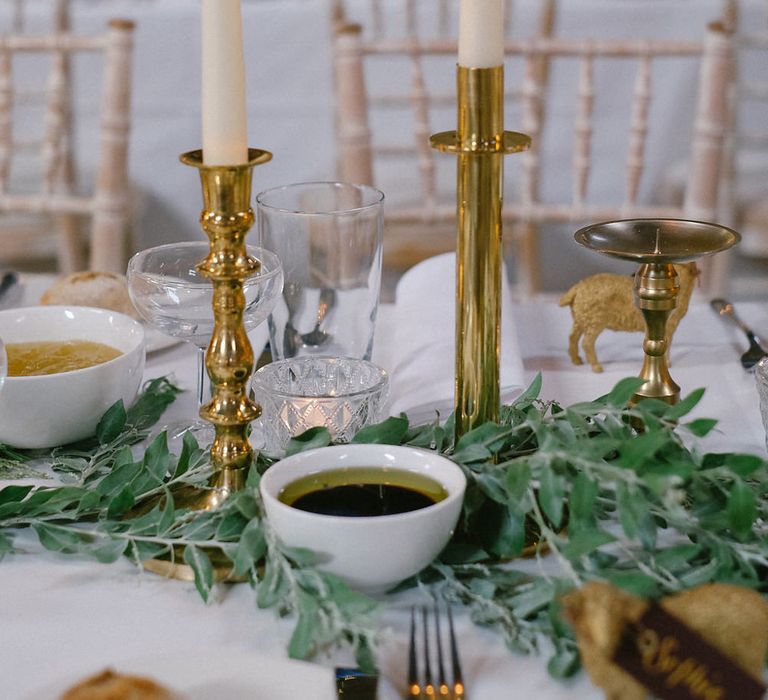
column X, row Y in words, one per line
column 55, row 409
column 371, row 553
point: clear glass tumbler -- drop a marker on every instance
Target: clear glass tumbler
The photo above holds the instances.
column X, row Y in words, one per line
column 341, row 393
column 329, row 238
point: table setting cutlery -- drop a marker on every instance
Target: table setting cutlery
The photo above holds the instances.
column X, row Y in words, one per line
column 10, row 287
column 293, row 339
column 422, row 683
column 317, row 337
column 755, row 352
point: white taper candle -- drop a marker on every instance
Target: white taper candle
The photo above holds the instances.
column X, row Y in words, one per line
column 481, row 33
column 225, row 137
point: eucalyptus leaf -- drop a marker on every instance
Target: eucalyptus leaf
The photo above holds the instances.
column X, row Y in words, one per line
column 634, row 582
column 272, row 587
column 389, row 432
column 685, row 405
column 308, row 440
column 742, row 509
column 430, row 437
column 14, row 494
column 251, row 547
column 157, row 459
column 155, row 396
column 701, row 426
column 200, row 563
column 677, row 557
column 111, row 423
column 565, row 661
column 303, row 637
column 582, row 499
column 518, row 481
column 585, row 541
column 620, row 395
column 121, row 503
column 108, row 551
column 58, row 538
column 551, row 495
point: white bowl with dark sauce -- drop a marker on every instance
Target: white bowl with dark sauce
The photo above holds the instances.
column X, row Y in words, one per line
column 373, row 514
column 65, row 405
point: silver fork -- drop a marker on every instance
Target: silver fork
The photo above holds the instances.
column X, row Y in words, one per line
column 423, row 685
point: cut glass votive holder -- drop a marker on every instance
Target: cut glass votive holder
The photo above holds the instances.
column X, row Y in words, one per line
column 761, row 379
column 343, row 394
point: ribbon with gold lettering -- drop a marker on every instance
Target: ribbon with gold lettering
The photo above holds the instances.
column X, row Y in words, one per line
column 675, row 663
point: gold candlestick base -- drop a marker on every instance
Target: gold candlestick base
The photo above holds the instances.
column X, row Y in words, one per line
column 656, row 244
column 479, row 142
column 226, row 218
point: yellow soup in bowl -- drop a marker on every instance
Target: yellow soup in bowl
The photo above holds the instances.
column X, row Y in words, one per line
column 54, row 356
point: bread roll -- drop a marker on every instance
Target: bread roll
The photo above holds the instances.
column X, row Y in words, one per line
column 109, row 685
column 104, row 290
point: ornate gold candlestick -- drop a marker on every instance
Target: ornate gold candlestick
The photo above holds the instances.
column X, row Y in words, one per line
column 226, row 218
column 480, row 142
column 656, row 244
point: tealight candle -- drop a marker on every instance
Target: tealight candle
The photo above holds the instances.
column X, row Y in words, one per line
column 225, row 140
column 481, row 33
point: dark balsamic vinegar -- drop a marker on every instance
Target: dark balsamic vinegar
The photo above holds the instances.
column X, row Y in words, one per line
column 363, row 492
column 363, row 500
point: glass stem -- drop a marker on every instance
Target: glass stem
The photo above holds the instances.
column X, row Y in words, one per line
column 200, row 376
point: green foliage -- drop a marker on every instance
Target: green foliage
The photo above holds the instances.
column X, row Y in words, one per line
column 608, row 492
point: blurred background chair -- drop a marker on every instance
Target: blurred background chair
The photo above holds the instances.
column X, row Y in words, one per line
column 407, row 81
column 744, row 195
column 50, row 213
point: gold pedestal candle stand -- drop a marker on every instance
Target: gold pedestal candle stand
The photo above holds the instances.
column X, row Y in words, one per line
column 656, row 244
column 479, row 142
column 226, row 218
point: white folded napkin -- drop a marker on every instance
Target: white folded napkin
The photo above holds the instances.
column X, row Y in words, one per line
column 423, row 344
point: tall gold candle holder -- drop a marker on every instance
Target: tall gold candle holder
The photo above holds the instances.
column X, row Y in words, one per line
column 226, row 218
column 479, row 142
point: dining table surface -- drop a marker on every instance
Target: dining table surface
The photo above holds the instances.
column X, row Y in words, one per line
column 63, row 617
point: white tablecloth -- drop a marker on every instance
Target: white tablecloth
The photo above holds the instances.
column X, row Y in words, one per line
column 61, row 616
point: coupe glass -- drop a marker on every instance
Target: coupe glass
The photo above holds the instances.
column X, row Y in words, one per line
column 175, row 298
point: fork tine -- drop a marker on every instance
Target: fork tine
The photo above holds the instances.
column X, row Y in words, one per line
column 429, row 688
column 443, row 690
column 458, row 679
column 414, row 687
column 422, row 686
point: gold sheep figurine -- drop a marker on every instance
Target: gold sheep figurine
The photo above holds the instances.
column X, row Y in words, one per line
column 606, row 300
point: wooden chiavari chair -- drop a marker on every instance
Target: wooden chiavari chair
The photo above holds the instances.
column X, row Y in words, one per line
column 40, row 197
column 420, row 212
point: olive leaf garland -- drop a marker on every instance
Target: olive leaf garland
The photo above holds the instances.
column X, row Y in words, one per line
column 613, row 493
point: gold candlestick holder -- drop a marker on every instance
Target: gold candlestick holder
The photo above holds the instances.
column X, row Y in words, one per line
column 226, row 218
column 479, row 142
column 656, row 244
